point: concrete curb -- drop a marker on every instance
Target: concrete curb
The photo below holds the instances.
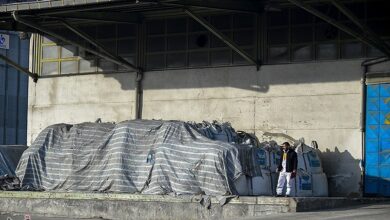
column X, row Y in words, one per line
column 133, row 206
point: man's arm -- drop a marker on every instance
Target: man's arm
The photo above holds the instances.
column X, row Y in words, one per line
column 295, row 164
column 280, row 162
column 295, row 161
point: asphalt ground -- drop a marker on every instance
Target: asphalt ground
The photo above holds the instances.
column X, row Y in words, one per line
column 372, row 212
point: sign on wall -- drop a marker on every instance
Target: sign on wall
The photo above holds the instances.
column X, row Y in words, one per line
column 4, row 41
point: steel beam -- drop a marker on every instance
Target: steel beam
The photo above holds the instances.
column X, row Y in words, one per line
column 60, row 37
column 19, row 68
column 117, row 17
column 376, row 60
column 11, row 25
column 241, row 5
column 222, row 37
column 340, row 6
column 338, row 25
column 90, row 40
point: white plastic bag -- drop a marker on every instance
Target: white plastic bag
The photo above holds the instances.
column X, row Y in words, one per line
column 320, row 185
column 308, row 159
column 241, row 184
column 261, row 185
column 303, row 184
column 262, row 158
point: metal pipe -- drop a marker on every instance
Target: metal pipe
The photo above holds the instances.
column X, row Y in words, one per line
column 138, row 95
column 58, row 36
column 222, row 37
column 96, row 44
column 342, row 27
column 140, row 75
column 363, row 126
column 363, row 27
column 34, row 76
column 374, row 61
column 87, row 38
column 118, row 17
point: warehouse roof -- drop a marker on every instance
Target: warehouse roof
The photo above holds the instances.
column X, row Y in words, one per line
column 45, row 4
column 45, row 17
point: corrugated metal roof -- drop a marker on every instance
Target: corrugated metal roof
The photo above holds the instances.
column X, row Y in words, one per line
column 46, row 4
column 49, row 11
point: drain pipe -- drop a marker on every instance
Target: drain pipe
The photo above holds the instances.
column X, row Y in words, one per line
column 363, row 125
column 365, row 68
column 138, row 94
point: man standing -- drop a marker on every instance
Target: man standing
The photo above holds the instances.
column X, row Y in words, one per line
column 287, row 168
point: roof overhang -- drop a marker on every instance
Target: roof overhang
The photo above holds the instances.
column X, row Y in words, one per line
column 51, row 12
column 47, row 16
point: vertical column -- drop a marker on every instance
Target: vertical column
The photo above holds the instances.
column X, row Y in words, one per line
column 23, row 94
column 3, row 88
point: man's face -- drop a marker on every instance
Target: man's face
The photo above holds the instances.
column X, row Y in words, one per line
column 284, row 147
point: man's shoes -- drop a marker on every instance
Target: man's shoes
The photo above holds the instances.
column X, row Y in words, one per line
column 278, row 195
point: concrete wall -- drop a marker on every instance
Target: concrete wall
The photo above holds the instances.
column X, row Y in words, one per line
column 78, row 99
column 136, row 207
column 317, row 101
column 58, row 206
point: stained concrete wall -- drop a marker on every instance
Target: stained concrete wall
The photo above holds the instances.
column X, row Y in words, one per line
column 317, row 101
column 78, row 99
column 145, row 207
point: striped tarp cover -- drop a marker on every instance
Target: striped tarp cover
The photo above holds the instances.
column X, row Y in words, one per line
column 138, row 156
column 9, row 158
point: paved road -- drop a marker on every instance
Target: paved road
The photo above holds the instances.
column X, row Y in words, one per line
column 372, row 212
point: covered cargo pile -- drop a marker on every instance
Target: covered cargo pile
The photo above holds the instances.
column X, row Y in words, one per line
column 9, row 158
column 161, row 157
column 149, row 157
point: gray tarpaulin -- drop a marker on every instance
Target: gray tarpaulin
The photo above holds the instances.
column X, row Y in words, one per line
column 9, row 158
column 149, row 157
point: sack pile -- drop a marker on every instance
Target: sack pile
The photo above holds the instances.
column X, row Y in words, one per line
column 216, row 131
column 264, row 157
column 310, row 180
column 260, row 161
column 157, row 157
